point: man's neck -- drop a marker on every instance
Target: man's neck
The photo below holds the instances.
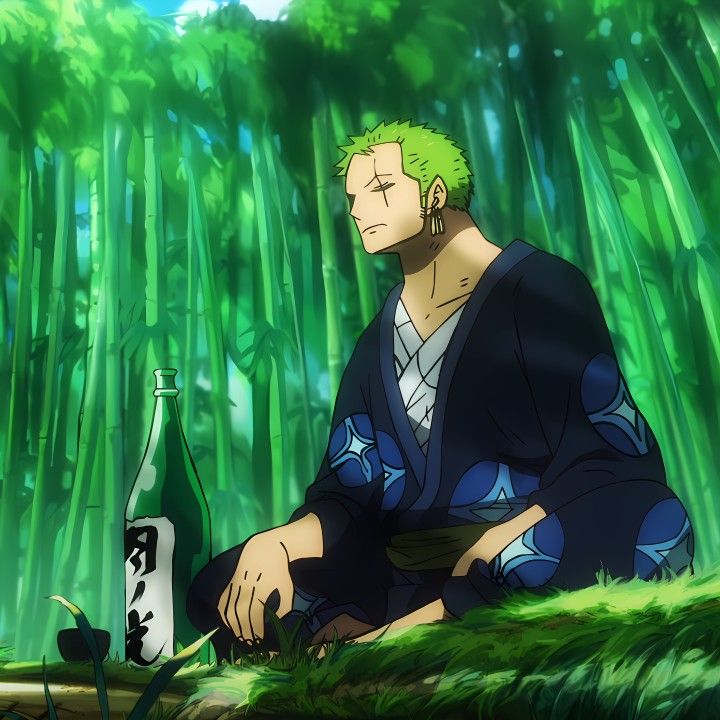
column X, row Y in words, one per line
column 442, row 270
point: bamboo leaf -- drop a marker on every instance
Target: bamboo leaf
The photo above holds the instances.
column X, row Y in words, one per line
column 86, row 631
column 70, row 345
column 163, row 676
column 52, row 713
column 40, row 345
column 131, row 333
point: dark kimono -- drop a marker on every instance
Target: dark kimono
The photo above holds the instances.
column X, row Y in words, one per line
column 531, row 408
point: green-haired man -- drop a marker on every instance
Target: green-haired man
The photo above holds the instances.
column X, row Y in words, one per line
column 483, row 437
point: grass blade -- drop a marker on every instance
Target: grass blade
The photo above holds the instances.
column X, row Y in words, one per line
column 52, row 713
column 86, row 631
column 12, row 715
column 163, row 676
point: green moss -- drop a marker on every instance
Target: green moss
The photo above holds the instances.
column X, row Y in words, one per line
column 617, row 649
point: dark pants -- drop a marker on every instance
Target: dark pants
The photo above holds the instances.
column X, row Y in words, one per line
column 626, row 529
column 629, row 529
column 322, row 592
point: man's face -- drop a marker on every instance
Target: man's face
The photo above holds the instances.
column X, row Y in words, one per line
column 384, row 201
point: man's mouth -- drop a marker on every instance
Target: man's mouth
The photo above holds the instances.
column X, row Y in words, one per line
column 374, row 226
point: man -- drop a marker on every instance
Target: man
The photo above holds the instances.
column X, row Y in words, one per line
column 483, row 437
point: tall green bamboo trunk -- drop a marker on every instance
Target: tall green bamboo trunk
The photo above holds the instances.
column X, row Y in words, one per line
column 329, row 253
column 307, row 466
column 671, row 423
column 16, row 439
column 71, row 353
column 90, row 416
column 700, row 397
column 93, row 520
column 482, row 165
column 364, row 271
column 116, row 142
column 271, row 501
column 689, row 77
column 93, row 537
column 191, row 325
column 536, row 173
column 156, row 269
column 283, row 477
column 44, row 214
column 241, row 293
column 32, row 608
column 134, row 357
column 4, row 310
column 261, row 454
column 683, row 203
column 213, row 327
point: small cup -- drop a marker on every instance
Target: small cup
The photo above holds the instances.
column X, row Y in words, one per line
column 73, row 647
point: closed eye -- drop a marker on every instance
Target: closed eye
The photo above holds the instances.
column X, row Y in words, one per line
column 383, row 187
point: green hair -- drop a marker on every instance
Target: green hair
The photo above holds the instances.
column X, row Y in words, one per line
column 426, row 153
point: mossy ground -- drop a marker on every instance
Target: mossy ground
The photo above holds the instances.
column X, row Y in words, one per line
column 614, row 650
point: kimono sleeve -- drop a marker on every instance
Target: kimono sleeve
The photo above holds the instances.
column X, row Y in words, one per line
column 594, row 431
column 347, row 491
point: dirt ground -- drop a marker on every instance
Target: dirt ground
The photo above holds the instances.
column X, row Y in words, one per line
column 73, row 702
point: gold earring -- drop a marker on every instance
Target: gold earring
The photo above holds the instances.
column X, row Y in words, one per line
column 437, row 226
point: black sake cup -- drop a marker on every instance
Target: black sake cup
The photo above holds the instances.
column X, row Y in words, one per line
column 73, row 647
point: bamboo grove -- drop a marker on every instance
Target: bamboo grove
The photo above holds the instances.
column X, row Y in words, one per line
column 168, row 200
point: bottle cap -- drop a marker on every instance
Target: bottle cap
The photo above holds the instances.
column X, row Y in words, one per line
column 165, row 382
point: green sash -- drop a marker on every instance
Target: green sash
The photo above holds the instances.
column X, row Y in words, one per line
column 434, row 548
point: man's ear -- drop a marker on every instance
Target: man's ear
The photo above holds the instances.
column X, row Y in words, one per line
column 437, row 194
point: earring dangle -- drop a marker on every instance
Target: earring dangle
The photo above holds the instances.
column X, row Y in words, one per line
column 437, row 226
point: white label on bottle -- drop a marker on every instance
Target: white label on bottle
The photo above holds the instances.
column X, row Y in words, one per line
column 149, row 544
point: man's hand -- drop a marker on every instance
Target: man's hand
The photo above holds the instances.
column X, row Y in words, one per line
column 497, row 538
column 262, row 568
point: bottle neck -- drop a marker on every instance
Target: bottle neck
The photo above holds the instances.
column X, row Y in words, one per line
column 166, row 412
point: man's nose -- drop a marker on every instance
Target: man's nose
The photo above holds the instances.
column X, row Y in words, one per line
column 354, row 209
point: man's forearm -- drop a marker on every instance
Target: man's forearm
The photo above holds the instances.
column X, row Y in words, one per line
column 301, row 538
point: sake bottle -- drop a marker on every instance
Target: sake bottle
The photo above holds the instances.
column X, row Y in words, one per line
column 167, row 537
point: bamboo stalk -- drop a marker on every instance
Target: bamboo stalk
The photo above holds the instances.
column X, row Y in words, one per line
column 683, row 204
column 281, row 506
column 701, row 103
column 32, row 588
column 364, row 275
column 90, row 414
column 329, row 253
column 116, row 142
column 535, row 173
column 191, row 320
column 18, row 410
column 213, row 328
column 480, row 158
column 271, row 315
column 673, row 423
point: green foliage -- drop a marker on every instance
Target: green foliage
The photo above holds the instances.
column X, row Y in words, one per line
column 52, row 712
column 617, row 649
column 89, row 637
column 163, row 676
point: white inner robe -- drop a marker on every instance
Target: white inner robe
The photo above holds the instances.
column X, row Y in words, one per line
column 417, row 366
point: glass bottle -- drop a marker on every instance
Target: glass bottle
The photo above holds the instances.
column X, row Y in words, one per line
column 167, row 537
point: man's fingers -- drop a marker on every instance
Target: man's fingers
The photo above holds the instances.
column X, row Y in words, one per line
column 230, row 610
column 222, row 602
column 287, row 592
column 257, row 608
column 242, row 610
